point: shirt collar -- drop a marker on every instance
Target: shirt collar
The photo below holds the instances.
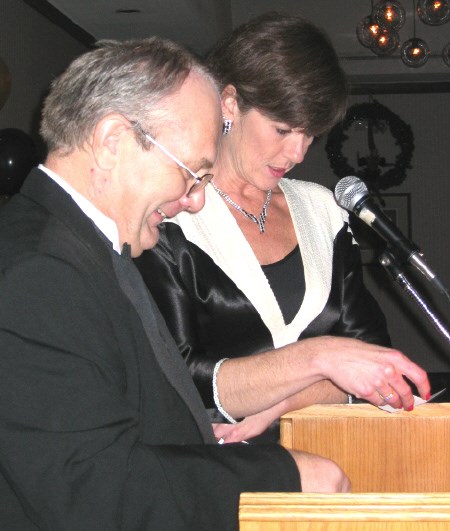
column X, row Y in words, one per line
column 105, row 224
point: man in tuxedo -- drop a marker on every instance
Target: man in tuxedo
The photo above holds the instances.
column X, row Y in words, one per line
column 101, row 427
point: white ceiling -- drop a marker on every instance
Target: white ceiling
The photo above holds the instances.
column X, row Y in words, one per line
column 198, row 23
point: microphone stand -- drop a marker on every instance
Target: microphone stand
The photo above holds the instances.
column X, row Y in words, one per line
column 392, row 265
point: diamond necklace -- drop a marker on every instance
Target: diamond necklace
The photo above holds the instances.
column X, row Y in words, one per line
column 261, row 220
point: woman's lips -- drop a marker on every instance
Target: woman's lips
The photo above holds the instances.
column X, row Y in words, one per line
column 277, row 172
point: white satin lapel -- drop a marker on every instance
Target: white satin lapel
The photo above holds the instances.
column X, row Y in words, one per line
column 224, row 242
column 315, row 239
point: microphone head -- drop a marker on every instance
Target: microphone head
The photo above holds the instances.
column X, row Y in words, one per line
column 349, row 191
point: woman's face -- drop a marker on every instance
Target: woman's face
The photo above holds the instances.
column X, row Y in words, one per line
column 262, row 150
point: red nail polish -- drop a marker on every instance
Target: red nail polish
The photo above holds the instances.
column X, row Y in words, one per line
column 428, row 396
column 410, row 408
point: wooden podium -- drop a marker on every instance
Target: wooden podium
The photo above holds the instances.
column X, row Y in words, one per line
column 398, row 463
column 379, row 451
column 344, row 512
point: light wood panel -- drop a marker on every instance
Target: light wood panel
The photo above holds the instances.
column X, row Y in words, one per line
column 344, row 512
column 379, row 451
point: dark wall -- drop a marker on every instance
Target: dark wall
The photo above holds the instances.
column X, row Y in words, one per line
column 35, row 51
column 428, row 186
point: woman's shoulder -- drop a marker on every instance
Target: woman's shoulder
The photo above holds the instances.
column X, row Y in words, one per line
column 312, row 190
column 307, row 196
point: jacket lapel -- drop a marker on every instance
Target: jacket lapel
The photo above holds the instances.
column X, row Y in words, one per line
column 164, row 347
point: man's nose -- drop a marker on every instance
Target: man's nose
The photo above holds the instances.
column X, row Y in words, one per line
column 193, row 202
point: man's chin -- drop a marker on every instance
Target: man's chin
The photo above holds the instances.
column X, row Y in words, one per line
column 151, row 238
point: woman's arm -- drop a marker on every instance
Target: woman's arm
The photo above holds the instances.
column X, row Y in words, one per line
column 324, row 392
column 250, row 384
column 361, row 369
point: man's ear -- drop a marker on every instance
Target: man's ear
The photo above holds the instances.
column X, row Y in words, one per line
column 108, row 139
column 229, row 103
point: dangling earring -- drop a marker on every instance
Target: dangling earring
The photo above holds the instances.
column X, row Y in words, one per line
column 226, row 128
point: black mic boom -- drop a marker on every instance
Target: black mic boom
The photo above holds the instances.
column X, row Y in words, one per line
column 352, row 194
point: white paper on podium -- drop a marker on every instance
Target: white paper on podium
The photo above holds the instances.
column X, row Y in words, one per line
column 417, row 402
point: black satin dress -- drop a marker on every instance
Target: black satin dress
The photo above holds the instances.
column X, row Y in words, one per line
column 211, row 318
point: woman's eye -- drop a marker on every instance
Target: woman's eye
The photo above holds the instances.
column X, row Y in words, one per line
column 283, row 132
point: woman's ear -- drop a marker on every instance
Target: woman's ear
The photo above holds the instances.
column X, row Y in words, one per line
column 230, row 106
column 107, row 138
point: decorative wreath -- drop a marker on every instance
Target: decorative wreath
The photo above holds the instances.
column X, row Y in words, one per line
column 377, row 116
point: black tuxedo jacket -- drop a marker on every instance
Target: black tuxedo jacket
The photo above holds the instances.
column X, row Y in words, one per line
column 96, row 433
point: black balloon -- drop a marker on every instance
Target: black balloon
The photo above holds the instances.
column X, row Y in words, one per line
column 17, row 156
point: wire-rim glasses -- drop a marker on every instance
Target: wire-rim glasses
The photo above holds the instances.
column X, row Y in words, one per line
column 200, row 180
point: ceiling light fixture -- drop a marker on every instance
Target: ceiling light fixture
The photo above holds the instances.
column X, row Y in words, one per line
column 385, row 42
column 381, row 40
column 367, row 29
column 389, row 14
column 379, row 30
column 414, row 52
column 434, row 12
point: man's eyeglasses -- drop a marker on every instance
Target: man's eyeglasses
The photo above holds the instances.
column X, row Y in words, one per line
column 200, row 181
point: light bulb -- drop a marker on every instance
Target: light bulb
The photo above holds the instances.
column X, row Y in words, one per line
column 434, row 12
column 415, row 52
column 385, row 42
column 366, row 31
column 389, row 14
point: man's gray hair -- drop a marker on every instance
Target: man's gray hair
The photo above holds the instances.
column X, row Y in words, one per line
column 129, row 77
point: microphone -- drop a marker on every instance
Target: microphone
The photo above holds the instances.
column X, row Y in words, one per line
column 352, row 194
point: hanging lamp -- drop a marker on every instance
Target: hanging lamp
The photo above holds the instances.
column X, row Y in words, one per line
column 389, row 14
column 414, row 52
column 385, row 42
column 434, row 12
column 367, row 29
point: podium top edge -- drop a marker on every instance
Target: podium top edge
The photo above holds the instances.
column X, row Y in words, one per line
column 429, row 409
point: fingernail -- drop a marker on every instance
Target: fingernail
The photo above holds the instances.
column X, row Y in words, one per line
column 428, row 396
column 410, row 408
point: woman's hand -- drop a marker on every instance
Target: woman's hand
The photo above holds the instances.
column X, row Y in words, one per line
column 371, row 372
column 248, row 428
column 367, row 371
